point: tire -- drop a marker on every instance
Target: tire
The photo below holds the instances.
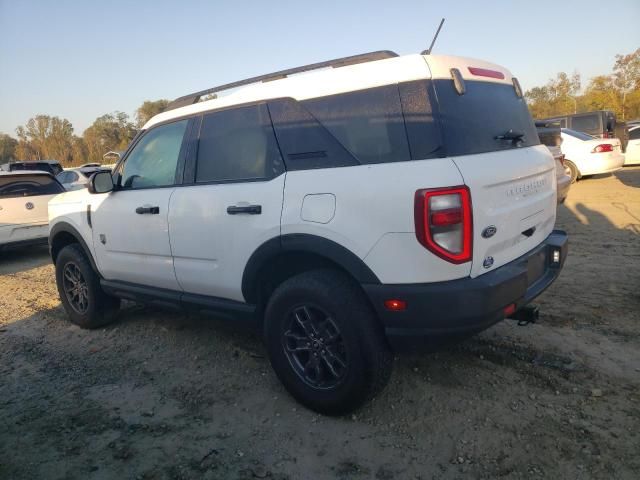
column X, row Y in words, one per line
column 575, row 174
column 86, row 305
column 325, row 313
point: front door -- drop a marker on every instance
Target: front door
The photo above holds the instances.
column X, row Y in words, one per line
column 130, row 224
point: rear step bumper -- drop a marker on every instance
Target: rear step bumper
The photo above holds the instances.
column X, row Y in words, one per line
column 460, row 308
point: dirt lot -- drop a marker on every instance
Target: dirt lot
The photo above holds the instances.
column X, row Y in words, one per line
column 162, row 395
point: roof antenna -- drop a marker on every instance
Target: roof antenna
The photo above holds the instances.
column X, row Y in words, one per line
column 428, row 51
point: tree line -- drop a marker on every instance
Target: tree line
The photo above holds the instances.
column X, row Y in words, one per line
column 46, row 137
column 618, row 91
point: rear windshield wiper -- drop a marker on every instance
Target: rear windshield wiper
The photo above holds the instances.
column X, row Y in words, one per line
column 512, row 135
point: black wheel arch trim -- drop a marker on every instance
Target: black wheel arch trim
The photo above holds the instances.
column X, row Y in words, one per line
column 303, row 243
column 64, row 227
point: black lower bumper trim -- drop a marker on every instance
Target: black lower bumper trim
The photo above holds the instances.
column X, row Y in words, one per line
column 469, row 305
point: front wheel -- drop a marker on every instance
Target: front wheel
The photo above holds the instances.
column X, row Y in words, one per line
column 325, row 343
column 79, row 288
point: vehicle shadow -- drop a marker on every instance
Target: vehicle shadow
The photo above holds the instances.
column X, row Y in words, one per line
column 19, row 259
column 630, row 176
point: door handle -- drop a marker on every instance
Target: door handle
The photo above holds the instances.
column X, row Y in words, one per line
column 148, row 210
column 249, row 209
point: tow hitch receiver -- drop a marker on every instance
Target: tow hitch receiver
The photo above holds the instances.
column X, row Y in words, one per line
column 526, row 315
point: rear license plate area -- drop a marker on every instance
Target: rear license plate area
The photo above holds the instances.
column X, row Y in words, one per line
column 536, row 266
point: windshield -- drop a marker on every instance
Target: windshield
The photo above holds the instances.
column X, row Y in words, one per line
column 578, row 135
column 472, row 122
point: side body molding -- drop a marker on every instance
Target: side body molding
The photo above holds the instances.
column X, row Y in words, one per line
column 303, row 243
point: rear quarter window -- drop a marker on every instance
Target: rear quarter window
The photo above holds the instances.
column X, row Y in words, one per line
column 471, row 122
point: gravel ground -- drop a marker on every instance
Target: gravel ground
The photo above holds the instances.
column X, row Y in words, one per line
column 161, row 395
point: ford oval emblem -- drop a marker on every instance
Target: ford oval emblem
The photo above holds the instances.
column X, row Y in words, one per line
column 488, row 262
column 489, row 232
column 29, row 206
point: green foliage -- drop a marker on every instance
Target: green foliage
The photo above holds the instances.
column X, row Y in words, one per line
column 149, row 109
column 112, row 131
column 8, row 146
column 45, row 137
column 618, row 91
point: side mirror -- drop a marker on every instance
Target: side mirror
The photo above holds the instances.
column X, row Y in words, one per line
column 100, row 182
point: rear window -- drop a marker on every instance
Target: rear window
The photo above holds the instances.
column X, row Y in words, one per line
column 42, row 166
column 28, row 186
column 587, row 123
column 579, row 135
column 634, row 134
column 471, row 122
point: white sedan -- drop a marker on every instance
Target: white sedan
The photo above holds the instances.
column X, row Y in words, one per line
column 587, row 155
column 24, row 199
column 632, row 155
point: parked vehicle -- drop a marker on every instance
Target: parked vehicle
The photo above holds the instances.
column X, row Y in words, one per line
column 369, row 204
column 549, row 134
column 586, row 155
column 75, row 178
column 23, row 206
column 51, row 166
column 599, row 124
column 632, row 154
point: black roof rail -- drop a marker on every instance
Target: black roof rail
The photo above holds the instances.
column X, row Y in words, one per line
column 338, row 62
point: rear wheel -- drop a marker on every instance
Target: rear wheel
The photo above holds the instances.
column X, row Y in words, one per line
column 573, row 170
column 79, row 288
column 324, row 342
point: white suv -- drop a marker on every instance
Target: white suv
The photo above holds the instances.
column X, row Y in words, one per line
column 373, row 202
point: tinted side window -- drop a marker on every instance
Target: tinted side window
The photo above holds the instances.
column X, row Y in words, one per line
column 154, row 159
column 471, row 122
column 238, row 144
column 634, row 134
column 27, row 186
column 368, row 123
column 587, row 123
column 305, row 143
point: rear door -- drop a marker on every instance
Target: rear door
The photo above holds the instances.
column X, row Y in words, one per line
column 232, row 205
column 490, row 136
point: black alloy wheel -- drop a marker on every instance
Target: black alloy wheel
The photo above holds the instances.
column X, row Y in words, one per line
column 315, row 348
column 75, row 288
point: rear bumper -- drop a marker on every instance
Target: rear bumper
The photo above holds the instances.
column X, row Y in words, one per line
column 460, row 308
column 602, row 163
column 14, row 235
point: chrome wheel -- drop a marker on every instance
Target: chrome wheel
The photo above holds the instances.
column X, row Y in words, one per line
column 315, row 348
column 75, row 288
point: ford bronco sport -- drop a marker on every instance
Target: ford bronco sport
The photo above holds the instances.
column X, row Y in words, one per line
column 373, row 203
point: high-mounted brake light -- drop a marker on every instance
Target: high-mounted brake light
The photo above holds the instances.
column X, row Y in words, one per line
column 485, row 72
column 602, row 148
column 444, row 222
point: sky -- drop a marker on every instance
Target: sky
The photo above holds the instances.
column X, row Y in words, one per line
column 81, row 59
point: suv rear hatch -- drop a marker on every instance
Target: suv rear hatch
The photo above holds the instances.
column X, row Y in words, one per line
column 489, row 134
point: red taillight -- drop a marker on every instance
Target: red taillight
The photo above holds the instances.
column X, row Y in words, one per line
column 444, row 222
column 485, row 72
column 603, row 147
column 395, row 305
